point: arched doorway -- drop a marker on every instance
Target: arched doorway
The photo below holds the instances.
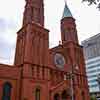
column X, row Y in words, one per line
column 65, row 95
column 56, row 96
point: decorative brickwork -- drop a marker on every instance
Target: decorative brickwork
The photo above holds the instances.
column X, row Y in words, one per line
column 38, row 73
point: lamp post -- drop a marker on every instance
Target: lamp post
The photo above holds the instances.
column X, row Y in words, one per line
column 70, row 76
column 72, row 88
column 74, row 67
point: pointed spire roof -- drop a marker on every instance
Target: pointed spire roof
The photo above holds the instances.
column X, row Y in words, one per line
column 67, row 12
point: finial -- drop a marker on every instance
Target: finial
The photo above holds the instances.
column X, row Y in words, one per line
column 65, row 2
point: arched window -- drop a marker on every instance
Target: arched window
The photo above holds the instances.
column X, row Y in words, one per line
column 6, row 91
column 37, row 94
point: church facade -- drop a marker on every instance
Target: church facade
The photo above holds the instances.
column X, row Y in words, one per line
column 40, row 73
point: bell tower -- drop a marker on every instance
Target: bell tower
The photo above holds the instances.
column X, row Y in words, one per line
column 74, row 53
column 32, row 52
column 69, row 34
column 68, row 27
column 34, row 12
column 32, row 38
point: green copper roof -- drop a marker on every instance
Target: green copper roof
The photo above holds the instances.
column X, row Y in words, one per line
column 66, row 12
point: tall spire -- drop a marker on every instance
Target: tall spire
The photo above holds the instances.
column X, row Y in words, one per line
column 68, row 31
column 66, row 12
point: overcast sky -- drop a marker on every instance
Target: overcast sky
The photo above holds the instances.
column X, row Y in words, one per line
column 11, row 14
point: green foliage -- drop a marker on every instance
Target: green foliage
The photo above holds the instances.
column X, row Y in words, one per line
column 93, row 97
column 96, row 2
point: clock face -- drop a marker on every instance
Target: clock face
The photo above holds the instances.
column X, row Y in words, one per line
column 59, row 60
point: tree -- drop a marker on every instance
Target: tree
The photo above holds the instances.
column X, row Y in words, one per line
column 96, row 2
column 93, row 97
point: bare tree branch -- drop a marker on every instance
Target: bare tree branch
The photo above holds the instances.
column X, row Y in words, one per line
column 91, row 2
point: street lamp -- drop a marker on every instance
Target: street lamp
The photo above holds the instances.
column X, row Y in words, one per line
column 70, row 76
column 72, row 88
column 74, row 67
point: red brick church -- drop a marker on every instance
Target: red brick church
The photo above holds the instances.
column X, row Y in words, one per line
column 40, row 73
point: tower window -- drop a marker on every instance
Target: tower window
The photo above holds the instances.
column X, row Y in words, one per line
column 36, row 15
column 6, row 91
column 37, row 94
